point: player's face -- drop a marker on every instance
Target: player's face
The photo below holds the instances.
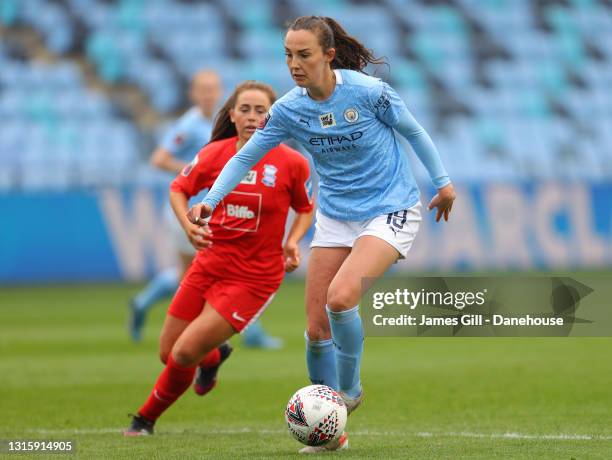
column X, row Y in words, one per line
column 306, row 60
column 206, row 91
column 249, row 112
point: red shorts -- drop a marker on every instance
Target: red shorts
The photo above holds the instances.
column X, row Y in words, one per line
column 239, row 302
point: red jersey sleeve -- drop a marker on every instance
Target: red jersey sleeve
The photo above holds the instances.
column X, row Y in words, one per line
column 301, row 187
column 195, row 176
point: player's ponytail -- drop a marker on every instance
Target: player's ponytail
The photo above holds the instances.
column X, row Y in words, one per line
column 224, row 128
column 351, row 54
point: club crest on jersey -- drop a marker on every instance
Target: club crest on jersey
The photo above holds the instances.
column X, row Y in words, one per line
column 327, row 120
column 250, row 178
column 269, row 175
column 187, row 169
column 351, row 115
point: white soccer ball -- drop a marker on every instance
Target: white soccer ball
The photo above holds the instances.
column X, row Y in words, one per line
column 315, row 415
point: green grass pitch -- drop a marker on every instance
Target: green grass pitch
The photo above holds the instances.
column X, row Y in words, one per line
column 69, row 371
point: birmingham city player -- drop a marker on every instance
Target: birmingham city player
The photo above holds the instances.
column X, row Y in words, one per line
column 369, row 208
column 241, row 259
column 178, row 147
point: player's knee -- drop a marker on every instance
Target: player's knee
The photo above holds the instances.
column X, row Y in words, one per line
column 185, row 356
column 342, row 298
column 316, row 332
column 163, row 356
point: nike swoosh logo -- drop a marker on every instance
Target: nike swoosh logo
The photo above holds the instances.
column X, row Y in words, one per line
column 156, row 394
column 238, row 317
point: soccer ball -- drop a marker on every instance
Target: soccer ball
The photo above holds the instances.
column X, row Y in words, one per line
column 315, row 415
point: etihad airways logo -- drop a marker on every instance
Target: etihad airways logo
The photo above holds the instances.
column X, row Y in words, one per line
column 335, row 140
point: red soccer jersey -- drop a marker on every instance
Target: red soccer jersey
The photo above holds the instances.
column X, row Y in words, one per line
column 248, row 225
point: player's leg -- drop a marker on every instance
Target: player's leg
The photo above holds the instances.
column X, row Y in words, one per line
column 207, row 369
column 200, row 337
column 381, row 242
column 163, row 285
column 171, row 330
column 343, row 310
column 257, row 337
column 323, row 265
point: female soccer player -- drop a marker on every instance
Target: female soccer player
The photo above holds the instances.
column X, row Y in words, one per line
column 241, row 259
column 369, row 208
column 180, row 144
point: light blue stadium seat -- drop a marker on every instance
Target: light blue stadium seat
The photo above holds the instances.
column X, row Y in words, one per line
column 52, row 21
column 102, row 49
column 426, row 48
column 408, row 75
column 157, row 81
column 328, row 8
column 268, row 44
column 9, row 11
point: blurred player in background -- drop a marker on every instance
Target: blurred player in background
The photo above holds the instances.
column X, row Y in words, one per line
column 178, row 147
column 369, row 206
column 241, row 259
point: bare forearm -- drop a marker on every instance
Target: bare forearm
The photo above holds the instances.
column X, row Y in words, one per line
column 164, row 160
column 180, row 206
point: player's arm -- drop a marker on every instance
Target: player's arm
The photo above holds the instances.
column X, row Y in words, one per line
column 199, row 236
column 391, row 110
column 301, row 224
column 271, row 133
column 188, row 183
column 425, row 149
column 302, row 203
column 163, row 159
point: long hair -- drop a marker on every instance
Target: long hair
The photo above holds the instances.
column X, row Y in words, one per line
column 224, row 128
column 350, row 53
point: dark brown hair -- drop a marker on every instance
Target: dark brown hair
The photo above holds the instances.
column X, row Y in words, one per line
column 224, row 128
column 350, row 53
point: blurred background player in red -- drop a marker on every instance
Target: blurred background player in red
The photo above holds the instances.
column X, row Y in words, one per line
column 241, row 259
column 178, row 147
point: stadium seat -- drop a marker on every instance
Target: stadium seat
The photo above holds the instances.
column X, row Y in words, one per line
column 522, row 110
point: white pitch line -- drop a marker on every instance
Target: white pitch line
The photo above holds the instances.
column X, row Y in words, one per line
column 421, row 434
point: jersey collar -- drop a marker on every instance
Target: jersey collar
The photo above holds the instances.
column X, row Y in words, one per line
column 338, row 80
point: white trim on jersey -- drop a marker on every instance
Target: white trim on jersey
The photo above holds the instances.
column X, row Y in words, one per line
column 339, row 80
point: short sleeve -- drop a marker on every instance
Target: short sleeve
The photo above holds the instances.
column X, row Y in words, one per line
column 175, row 138
column 195, row 176
column 301, row 189
column 272, row 131
column 386, row 103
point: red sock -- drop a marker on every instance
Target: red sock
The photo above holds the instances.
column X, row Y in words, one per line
column 170, row 385
column 213, row 358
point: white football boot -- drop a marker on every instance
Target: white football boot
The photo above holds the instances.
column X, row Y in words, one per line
column 342, row 441
column 337, row 444
column 351, row 403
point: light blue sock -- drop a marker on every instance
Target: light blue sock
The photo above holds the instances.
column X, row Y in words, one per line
column 163, row 285
column 347, row 335
column 255, row 336
column 321, row 362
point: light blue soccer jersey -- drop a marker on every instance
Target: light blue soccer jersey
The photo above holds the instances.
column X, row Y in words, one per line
column 363, row 171
column 184, row 140
column 187, row 135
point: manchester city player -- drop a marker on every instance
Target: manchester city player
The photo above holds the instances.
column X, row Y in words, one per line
column 369, row 208
column 180, row 144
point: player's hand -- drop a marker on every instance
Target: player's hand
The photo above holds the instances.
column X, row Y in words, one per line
column 292, row 256
column 198, row 214
column 200, row 237
column 443, row 201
